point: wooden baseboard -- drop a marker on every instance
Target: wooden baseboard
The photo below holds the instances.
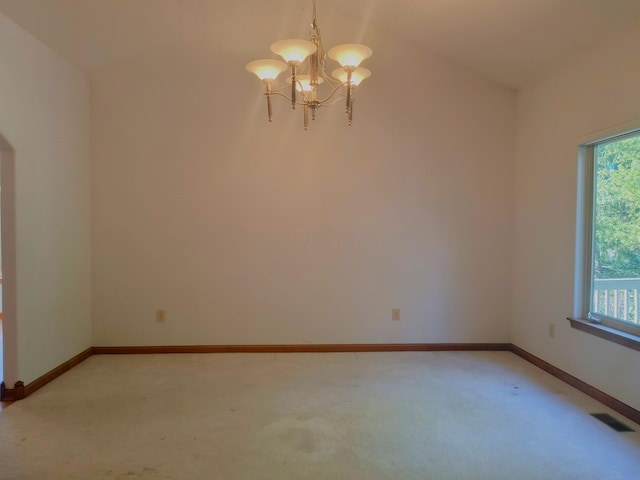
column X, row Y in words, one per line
column 611, row 402
column 56, row 372
column 21, row 390
column 12, row 394
column 310, row 348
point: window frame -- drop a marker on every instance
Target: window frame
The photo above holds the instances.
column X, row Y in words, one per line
column 601, row 325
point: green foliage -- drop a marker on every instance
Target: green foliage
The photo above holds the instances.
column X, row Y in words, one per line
column 617, row 222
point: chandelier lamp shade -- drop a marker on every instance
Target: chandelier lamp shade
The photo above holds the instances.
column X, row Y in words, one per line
column 305, row 62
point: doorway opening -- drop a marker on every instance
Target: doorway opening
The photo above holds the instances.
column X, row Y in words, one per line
column 8, row 327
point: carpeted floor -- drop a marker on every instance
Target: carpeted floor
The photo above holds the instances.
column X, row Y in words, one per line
column 484, row 416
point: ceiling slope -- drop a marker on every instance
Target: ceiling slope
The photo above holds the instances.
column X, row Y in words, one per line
column 511, row 41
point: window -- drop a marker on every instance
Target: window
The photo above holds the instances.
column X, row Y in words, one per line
column 608, row 240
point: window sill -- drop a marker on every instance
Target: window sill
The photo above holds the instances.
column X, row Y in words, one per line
column 608, row 333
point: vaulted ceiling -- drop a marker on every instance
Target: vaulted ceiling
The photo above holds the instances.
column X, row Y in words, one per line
column 511, row 41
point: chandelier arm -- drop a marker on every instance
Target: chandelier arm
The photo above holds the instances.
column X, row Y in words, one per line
column 330, row 80
column 302, row 68
column 281, row 94
column 289, row 98
column 297, row 103
column 279, row 89
column 335, row 102
column 333, row 92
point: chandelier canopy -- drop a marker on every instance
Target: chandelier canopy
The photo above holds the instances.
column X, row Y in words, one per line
column 305, row 60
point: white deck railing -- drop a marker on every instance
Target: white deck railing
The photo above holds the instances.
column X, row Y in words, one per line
column 618, row 298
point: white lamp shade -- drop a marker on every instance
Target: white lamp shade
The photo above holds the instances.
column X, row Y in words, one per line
column 293, row 50
column 350, row 54
column 357, row 76
column 266, row 69
column 303, row 82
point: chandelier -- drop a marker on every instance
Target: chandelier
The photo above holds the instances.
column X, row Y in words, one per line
column 305, row 59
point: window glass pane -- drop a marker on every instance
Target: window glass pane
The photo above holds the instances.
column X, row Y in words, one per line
column 615, row 289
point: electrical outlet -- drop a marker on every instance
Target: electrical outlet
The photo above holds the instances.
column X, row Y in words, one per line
column 160, row 316
column 395, row 314
column 552, row 330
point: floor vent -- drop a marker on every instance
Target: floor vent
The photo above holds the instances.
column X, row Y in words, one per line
column 617, row 425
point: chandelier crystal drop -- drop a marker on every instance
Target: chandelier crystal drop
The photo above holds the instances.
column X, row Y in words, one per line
column 305, row 60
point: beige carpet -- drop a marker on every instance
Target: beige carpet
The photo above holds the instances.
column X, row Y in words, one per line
column 487, row 415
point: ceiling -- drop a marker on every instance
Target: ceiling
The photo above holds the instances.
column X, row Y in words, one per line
column 511, row 41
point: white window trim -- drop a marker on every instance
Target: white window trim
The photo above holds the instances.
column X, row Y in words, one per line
column 603, row 326
column 584, row 233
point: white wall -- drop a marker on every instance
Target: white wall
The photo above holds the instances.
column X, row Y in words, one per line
column 254, row 233
column 45, row 118
column 597, row 92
